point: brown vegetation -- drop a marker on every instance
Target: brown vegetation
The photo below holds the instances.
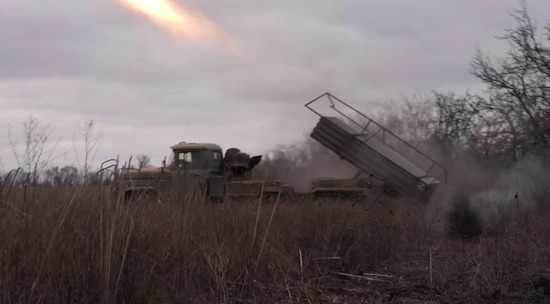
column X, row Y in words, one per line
column 76, row 245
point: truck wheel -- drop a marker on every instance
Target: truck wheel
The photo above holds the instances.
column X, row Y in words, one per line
column 230, row 153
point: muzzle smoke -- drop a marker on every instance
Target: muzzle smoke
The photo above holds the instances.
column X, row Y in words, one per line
column 522, row 188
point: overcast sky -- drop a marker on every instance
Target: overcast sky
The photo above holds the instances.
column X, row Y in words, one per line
column 147, row 88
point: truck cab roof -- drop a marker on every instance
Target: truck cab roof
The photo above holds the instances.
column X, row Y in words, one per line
column 195, row 146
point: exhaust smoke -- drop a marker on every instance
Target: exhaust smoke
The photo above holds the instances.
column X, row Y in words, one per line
column 525, row 187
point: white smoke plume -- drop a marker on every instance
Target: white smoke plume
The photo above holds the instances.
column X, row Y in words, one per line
column 524, row 187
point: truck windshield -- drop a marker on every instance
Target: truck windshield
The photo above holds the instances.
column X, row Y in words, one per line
column 188, row 159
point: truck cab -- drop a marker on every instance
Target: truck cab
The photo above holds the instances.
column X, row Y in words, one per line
column 198, row 157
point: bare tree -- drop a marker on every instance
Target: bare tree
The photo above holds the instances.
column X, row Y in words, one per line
column 64, row 176
column 37, row 149
column 418, row 116
column 518, row 87
column 443, row 121
column 92, row 142
column 144, row 161
column 511, row 117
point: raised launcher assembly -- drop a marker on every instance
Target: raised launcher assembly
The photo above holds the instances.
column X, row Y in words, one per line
column 373, row 149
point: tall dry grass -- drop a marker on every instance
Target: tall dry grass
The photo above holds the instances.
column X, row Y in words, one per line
column 78, row 245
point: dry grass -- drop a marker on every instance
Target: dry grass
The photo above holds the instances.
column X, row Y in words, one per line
column 75, row 245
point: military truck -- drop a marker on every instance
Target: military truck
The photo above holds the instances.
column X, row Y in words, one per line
column 197, row 170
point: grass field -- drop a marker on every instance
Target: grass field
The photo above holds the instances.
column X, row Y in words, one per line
column 77, row 245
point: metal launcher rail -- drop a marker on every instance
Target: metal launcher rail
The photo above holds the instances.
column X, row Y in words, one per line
column 373, row 149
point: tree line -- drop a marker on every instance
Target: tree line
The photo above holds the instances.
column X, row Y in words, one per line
column 510, row 118
column 34, row 151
